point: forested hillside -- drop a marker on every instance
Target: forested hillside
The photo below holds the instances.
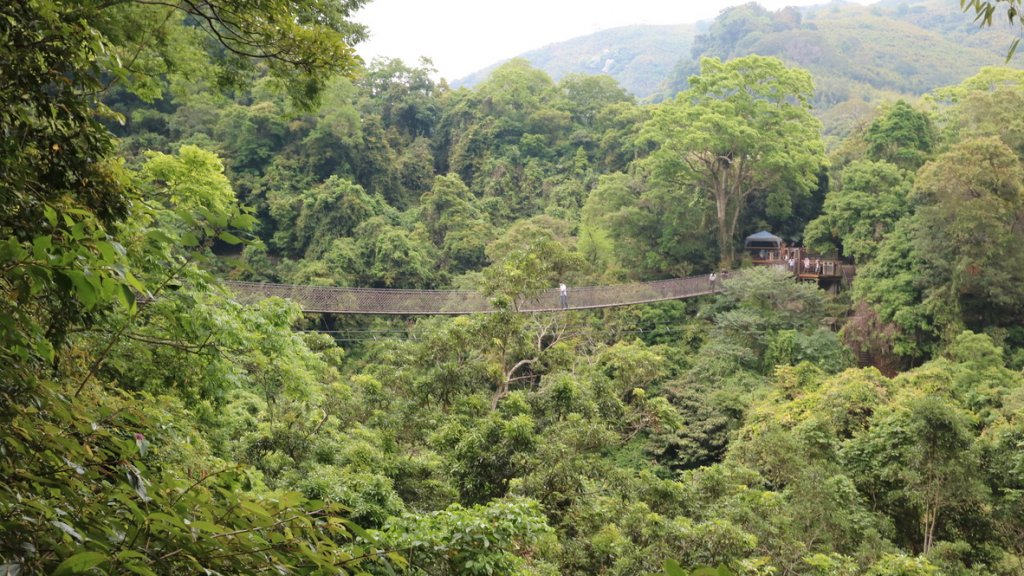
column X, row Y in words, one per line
column 860, row 56
column 638, row 57
column 154, row 425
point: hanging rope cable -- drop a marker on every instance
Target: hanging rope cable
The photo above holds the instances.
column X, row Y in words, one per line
column 354, row 335
column 325, row 299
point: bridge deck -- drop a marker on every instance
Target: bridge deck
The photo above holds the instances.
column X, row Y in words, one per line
column 454, row 302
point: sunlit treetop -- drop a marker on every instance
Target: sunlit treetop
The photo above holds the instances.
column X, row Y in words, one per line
column 142, row 42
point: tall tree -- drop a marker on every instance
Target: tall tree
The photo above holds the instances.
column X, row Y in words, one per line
column 871, row 198
column 650, row 230
column 902, row 136
column 988, row 112
column 743, row 129
column 585, row 96
column 404, row 97
column 957, row 261
column 917, row 463
column 971, row 211
column 455, row 224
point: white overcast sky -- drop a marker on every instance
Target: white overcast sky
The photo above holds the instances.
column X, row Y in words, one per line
column 463, row 36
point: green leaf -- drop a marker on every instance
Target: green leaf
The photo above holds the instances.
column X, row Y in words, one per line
column 41, row 247
column 11, row 249
column 51, row 215
column 79, row 563
column 672, row 568
column 289, row 499
column 44, row 349
column 254, row 508
column 159, row 236
column 127, row 297
column 229, row 238
column 134, row 282
column 84, row 290
column 130, row 555
column 208, row 526
column 109, row 288
column 358, row 530
column 106, row 250
column 168, row 519
column 140, row 569
column 243, row 221
column 398, row 559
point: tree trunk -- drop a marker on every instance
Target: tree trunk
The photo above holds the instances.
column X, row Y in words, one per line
column 725, row 253
column 930, row 520
column 503, row 388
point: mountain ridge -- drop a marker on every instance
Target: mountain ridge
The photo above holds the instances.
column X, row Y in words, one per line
column 634, row 55
column 859, row 55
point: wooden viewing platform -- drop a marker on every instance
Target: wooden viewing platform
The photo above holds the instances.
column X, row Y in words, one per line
column 766, row 249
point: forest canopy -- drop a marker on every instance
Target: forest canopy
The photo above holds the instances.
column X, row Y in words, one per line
column 152, row 424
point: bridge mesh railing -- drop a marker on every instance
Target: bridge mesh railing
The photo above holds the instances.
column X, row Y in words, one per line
column 428, row 302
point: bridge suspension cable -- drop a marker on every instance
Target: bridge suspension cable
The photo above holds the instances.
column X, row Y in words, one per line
column 354, row 335
column 325, row 299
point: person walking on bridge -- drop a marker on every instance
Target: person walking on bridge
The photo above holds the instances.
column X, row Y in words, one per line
column 563, row 295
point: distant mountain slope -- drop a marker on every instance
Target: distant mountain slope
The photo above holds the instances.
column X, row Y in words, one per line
column 909, row 49
column 859, row 55
column 640, row 58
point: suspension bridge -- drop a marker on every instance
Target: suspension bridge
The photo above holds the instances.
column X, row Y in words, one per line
column 330, row 300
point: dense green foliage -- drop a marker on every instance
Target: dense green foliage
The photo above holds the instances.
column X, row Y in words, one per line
column 153, row 425
column 742, row 130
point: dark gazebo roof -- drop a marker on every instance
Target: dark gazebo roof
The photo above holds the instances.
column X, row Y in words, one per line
column 763, row 239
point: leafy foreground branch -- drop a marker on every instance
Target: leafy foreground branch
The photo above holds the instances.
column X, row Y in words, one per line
column 984, row 11
column 101, row 476
column 85, row 489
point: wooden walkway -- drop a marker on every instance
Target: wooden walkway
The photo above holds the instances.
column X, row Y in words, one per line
column 322, row 299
